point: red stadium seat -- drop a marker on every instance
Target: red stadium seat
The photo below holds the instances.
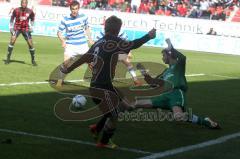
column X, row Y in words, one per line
column 45, row 2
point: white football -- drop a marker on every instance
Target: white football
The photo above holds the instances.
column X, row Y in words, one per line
column 79, row 101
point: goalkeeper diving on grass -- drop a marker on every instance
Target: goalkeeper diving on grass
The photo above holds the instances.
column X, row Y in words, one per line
column 175, row 99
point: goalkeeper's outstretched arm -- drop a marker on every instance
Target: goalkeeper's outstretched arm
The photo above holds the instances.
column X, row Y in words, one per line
column 154, row 82
column 151, row 81
column 174, row 53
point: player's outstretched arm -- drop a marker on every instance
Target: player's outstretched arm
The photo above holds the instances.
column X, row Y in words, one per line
column 11, row 24
column 85, row 58
column 151, row 81
column 172, row 50
column 154, row 82
column 89, row 35
column 169, row 43
column 139, row 42
column 61, row 38
column 32, row 19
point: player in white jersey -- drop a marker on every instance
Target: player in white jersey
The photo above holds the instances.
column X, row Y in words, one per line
column 76, row 27
column 125, row 58
column 77, row 34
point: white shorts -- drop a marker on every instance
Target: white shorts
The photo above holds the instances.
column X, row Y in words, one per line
column 74, row 50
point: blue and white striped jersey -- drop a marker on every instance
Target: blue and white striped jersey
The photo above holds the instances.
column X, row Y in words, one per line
column 74, row 28
column 121, row 35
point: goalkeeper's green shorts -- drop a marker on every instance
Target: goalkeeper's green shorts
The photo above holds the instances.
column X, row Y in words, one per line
column 167, row 100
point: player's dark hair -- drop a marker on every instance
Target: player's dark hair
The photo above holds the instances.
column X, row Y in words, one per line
column 24, row 0
column 113, row 25
column 74, row 3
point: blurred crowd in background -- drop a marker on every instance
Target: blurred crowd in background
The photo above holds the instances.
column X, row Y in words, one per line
column 204, row 9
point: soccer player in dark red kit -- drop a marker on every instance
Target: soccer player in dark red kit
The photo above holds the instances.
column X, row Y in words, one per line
column 19, row 24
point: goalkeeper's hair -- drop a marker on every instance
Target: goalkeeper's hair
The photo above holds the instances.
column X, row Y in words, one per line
column 113, row 25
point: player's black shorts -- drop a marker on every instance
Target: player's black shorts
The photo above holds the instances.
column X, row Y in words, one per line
column 26, row 34
column 105, row 88
column 106, row 92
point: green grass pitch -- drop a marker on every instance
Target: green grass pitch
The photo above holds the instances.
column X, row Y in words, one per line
column 29, row 108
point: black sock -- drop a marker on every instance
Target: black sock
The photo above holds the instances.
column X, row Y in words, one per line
column 32, row 52
column 107, row 134
column 10, row 49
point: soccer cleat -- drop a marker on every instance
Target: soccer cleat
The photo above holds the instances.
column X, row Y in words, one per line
column 211, row 124
column 7, row 62
column 110, row 145
column 34, row 63
column 93, row 130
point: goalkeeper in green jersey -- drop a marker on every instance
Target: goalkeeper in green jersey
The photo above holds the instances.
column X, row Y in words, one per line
column 175, row 99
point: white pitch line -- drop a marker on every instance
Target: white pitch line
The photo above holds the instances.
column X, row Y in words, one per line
column 192, row 147
column 69, row 140
column 37, row 83
column 22, row 83
column 31, row 83
column 223, row 76
column 195, row 75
